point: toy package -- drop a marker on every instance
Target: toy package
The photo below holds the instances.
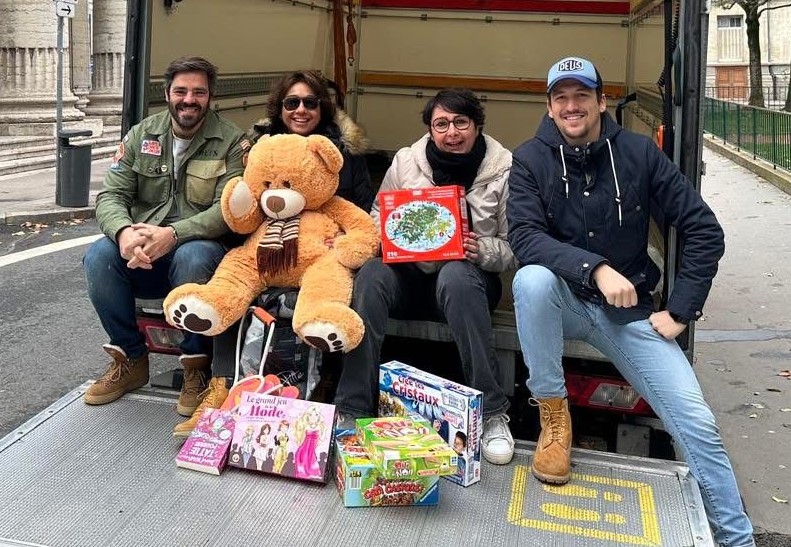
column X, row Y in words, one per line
column 453, row 410
column 423, row 224
column 361, row 484
column 206, row 449
column 404, row 447
column 284, row 436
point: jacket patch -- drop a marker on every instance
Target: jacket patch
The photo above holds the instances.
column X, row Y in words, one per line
column 152, row 148
column 119, row 154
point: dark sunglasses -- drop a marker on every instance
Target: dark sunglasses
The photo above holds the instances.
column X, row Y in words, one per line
column 292, row 103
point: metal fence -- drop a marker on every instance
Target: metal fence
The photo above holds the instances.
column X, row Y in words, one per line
column 774, row 96
column 764, row 133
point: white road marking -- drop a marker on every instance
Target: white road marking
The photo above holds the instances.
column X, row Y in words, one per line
column 13, row 258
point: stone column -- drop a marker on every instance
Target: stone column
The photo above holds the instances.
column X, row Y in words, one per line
column 80, row 49
column 28, row 69
column 109, row 44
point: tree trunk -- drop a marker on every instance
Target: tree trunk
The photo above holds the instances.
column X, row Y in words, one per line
column 787, row 106
column 754, row 47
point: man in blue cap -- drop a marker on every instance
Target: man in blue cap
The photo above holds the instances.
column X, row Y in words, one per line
column 578, row 220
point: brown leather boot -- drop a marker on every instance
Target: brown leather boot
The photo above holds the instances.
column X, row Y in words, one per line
column 122, row 375
column 213, row 397
column 197, row 368
column 552, row 460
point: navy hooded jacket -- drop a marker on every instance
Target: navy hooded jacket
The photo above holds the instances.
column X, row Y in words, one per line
column 572, row 208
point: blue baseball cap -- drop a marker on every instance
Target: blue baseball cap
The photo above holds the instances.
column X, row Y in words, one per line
column 575, row 68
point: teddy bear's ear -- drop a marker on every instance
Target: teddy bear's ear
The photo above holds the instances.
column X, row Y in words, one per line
column 328, row 152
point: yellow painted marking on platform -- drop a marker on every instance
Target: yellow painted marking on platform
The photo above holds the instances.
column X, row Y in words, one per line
column 651, row 535
column 562, row 511
column 574, row 490
column 613, row 497
column 612, row 518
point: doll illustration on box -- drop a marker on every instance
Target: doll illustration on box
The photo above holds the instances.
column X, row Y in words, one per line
column 247, row 445
column 262, row 441
column 280, row 454
column 309, row 429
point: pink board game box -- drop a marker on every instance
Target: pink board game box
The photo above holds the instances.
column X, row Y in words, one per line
column 206, row 449
column 288, row 437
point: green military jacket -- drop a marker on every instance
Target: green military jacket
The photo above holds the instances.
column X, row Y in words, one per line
column 141, row 187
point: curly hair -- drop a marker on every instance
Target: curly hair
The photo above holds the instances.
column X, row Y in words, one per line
column 317, row 84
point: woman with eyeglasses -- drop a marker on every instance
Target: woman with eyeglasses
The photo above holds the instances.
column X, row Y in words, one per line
column 300, row 103
column 461, row 293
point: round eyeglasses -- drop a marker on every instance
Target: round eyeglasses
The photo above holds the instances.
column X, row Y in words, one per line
column 441, row 125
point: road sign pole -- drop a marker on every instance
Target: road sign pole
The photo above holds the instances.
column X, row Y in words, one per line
column 59, row 101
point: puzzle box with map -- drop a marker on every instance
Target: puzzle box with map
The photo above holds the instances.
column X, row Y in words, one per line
column 423, row 224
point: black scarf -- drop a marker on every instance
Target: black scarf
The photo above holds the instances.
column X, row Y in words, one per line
column 449, row 168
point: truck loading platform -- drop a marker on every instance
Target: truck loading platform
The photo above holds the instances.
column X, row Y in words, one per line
column 77, row 475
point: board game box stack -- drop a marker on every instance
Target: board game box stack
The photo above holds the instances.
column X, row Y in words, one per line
column 423, row 224
column 452, row 409
column 361, row 484
column 206, row 449
column 284, row 436
column 405, row 447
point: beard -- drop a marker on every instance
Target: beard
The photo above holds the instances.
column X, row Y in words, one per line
column 187, row 121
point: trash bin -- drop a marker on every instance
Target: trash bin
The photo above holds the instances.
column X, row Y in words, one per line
column 74, row 169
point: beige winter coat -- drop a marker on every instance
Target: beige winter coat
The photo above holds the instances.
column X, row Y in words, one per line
column 486, row 198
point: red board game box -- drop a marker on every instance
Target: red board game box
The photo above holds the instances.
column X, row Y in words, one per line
column 423, row 224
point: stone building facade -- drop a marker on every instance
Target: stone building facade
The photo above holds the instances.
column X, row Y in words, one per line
column 728, row 56
column 92, row 96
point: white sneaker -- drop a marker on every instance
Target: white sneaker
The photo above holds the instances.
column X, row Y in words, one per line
column 497, row 442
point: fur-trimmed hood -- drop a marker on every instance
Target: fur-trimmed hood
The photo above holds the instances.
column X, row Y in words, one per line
column 344, row 132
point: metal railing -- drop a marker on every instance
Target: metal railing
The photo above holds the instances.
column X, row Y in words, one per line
column 774, row 96
column 765, row 133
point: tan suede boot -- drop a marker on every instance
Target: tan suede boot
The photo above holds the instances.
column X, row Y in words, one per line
column 213, row 397
column 552, row 460
column 197, row 369
column 122, row 375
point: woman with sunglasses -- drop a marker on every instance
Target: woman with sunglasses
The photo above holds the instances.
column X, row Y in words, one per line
column 300, row 103
column 461, row 293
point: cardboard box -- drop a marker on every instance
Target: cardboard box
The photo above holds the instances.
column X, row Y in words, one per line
column 361, row 484
column 423, row 224
column 404, row 447
column 453, row 410
column 288, row 437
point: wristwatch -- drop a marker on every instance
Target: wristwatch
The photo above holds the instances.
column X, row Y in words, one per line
column 677, row 318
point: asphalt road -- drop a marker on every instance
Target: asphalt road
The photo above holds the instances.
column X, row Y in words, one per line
column 50, row 338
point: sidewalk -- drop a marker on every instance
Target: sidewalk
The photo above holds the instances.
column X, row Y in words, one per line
column 30, row 197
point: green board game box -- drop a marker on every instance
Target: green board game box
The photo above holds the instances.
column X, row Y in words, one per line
column 405, row 447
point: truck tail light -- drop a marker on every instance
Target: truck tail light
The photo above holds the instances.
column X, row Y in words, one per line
column 160, row 337
column 606, row 393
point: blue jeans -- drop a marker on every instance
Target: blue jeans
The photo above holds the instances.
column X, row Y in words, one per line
column 547, row 311
column 112, row 288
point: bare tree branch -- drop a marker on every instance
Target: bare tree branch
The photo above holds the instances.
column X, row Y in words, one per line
column 768, row 8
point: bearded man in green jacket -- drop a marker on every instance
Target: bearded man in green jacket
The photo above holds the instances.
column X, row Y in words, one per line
column 160, row 212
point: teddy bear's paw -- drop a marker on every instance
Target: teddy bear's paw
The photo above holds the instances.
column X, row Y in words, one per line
column 192, row 314
column 323, row 336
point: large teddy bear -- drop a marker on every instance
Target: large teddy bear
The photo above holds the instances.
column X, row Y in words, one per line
column 302, row 235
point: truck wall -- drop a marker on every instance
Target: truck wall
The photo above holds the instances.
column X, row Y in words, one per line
column 405, row 54
column 252, row 42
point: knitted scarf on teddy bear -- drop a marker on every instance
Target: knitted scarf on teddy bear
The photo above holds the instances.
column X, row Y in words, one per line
column 277, row 249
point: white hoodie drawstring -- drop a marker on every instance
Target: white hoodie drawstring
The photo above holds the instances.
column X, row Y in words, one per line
column 617, row 187
column 564, row 177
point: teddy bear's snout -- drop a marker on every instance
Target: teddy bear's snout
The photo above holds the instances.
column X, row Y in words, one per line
column 282, row 203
